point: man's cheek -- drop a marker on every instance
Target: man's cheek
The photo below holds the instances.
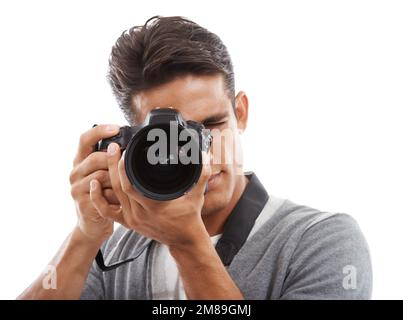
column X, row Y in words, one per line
column 223, row 146
column 238, row 155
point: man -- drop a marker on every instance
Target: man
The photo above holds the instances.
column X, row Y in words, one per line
column 232, row 242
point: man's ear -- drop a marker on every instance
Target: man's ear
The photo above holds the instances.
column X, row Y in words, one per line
column 241, row 110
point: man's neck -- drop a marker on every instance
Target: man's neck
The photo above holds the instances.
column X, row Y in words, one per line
column 214, row 222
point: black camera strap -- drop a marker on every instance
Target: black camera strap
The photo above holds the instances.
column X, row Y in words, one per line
column 101, row 263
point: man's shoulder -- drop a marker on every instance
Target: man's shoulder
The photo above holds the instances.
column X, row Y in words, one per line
column 299, row 230
column 331, row 253
column 310, row 251
column 290, row 215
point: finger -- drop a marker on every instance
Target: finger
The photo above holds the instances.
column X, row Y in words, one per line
column 83, row 186
column 126, row 186
column 104, row 209
column 91, row 137
column 130, row 207
column 113, row 157
column 110, row 196
column 200, row 187
column 95, row 161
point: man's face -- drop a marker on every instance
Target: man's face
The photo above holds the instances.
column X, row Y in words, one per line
column 204, row 99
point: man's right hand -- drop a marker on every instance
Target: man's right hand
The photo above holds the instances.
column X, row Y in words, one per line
column 90, row 165
column 73, row 261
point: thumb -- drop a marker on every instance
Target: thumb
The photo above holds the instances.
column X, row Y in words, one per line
column 201, row 184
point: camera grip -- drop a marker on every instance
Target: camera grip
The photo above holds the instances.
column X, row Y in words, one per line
column 122, row 139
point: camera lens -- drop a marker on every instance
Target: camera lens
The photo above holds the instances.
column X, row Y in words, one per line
column 167, row 179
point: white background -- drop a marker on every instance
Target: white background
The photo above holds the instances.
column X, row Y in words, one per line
column 325, row 83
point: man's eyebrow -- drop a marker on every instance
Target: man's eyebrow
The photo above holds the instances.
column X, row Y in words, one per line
column 215, row 118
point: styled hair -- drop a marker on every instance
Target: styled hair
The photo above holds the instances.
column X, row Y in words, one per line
column 162, row 49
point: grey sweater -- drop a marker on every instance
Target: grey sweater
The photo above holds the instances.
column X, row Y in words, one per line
column 292, row 252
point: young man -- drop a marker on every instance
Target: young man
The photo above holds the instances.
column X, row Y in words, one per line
column 234, row 241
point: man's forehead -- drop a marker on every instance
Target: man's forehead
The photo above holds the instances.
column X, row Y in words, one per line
column 196, row 98
column 210, row 114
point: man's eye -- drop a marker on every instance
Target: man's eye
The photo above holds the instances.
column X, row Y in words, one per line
column 214, row 124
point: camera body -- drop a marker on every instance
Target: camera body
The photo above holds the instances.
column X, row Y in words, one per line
column 163, row 158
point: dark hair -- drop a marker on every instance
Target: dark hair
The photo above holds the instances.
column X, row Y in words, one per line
column 163, row 48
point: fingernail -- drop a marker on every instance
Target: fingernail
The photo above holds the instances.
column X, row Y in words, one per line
column 112, row 148
column 112, row 128
column 93, row 185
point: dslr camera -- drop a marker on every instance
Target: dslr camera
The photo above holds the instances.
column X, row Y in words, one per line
column 163, row 158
